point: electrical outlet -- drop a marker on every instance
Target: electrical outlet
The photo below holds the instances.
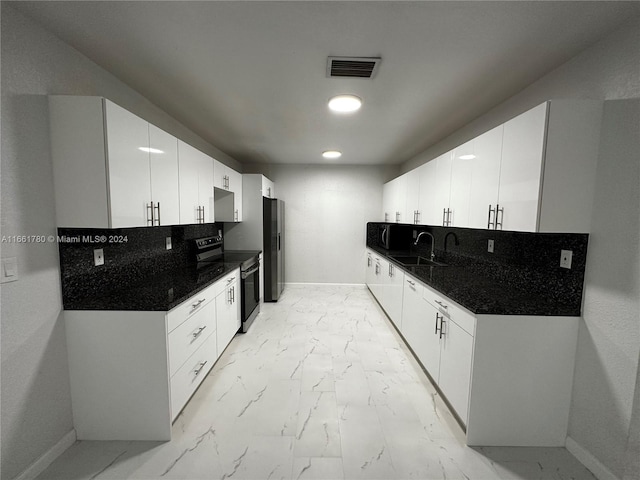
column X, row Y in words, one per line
column 415, row 234
column 565, row 258
column 168, row 243
column 490, row 246
column 98, row 257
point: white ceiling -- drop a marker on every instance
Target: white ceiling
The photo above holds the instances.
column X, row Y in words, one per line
column 250, row 77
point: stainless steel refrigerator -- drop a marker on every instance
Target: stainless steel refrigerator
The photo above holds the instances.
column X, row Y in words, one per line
column 273, row 244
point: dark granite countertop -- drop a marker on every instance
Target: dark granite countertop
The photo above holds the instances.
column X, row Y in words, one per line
column 473, row 286
column 161, row 291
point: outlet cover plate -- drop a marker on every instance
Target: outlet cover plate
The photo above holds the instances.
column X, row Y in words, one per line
column 490, row 246
column 9, row 269
column 168, row 243
column 565, row 258
column 98, row 257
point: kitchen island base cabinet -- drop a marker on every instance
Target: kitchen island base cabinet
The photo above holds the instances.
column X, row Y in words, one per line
column 521, row 380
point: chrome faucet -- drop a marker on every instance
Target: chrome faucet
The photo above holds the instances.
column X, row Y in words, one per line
column 433, row 255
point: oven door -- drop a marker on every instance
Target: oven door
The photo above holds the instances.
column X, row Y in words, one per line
column 250, row 286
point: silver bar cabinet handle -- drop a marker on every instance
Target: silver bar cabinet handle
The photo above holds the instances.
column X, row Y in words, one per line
column 441, row 304
column 199, row 369
column 437, row 318
column 200, row 330
column 158, row 210
column 499, row 211
column 150, row 209
column 442, row 322
column 444, row 213
column 490, row 224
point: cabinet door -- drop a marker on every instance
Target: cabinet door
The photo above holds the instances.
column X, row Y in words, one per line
column 521, row 170
column 388, row 215
column 235, row 185
column 461, row 168
column 268, row 188
column 205, row 186
column 455, row 366
column 412, row 206
column 393, row 294
column 485, row 177
column 429, row 213
column 188, row 181
column 228, row 314
column 219, row 175
column 370, row 270
column 128, row 166
column 418, row 327
column 376, row 285
column 163, row 159
column 443, row 187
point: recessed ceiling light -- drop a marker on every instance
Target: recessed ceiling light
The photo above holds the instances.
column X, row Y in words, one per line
column 332, row 154
column 150, row 150
column 345, row 103
column 471, row 156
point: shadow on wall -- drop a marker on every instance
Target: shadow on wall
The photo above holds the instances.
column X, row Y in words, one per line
column 606, row 374
column 28, row 421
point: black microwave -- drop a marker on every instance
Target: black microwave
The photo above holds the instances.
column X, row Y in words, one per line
column 392, row 236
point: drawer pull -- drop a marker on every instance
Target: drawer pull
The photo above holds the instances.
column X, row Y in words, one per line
column 198, row 303
column 199, row 369
column 441, row 304
column 411, row 283
column 230, row 280
column 200, row 330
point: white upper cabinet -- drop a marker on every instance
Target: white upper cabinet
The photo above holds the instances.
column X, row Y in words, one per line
column 520, row 171
column 268, row 188
column 460, row 185
column 394, row 201
column 129, row 173
column 163, row 160
column 228, row 195
column 412, row 192
column 485, row 177
column 196, row 185
column 103, row 174
column 435, row 184
column 534, row 173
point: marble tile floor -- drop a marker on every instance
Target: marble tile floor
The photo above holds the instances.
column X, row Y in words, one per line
column 321, row 387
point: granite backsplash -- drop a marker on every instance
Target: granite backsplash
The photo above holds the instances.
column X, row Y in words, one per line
column 130, row 255
column 528, row 262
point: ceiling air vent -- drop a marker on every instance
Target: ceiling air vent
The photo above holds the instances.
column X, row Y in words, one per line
column 353, row 67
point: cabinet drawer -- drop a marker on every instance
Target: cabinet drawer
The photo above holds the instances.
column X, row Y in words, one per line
column 179, row 314
column 186, row 338
column 222, row 284
column 191, row 374
column 451, row 310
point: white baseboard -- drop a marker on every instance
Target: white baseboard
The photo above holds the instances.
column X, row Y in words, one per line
column 303, row 284
column 592, row 463
column 47, row 458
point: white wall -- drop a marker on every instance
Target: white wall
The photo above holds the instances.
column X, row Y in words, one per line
column 326, row 211
column 609, row 338
column 35, row 399
column 607, row 357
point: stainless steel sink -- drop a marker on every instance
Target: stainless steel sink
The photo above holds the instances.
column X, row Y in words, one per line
column 413, row 261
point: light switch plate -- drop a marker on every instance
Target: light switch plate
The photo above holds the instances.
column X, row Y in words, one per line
column 565, row 258
column 98, row 257
column 490, row 246
column 168, row 243
column 9, row 270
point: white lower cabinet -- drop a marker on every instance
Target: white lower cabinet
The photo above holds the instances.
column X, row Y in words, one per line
column 393, row 279
column 508, row 378
column 132, row 372
column 228, row 309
